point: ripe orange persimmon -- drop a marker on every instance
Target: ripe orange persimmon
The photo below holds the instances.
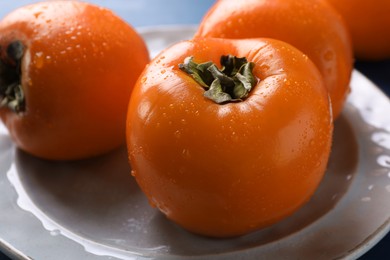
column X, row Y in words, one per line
column 313, row 26
column 369, row 24
column 67, row 69
column 240, row 156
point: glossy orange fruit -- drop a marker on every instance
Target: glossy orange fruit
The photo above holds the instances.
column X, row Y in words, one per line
column 240, row 156
column 312, row 26
column 67, row 69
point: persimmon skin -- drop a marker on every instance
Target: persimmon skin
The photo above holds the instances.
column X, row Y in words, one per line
column 312, row 26
column 80, row 64
column 226, row 170
column 369, row 23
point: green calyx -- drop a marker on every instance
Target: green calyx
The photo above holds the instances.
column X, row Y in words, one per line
column 11, row 92
column 232, row 83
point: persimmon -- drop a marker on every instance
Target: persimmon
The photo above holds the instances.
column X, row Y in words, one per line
column 224, row 150
column 369, row 23
column 313, row 26
column 67, row 69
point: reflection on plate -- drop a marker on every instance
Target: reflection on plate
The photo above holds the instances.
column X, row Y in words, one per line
column 93, row 209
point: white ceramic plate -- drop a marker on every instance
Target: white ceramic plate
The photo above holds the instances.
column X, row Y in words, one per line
column 93, row 209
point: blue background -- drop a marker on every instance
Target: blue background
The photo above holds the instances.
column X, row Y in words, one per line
column 141, row 13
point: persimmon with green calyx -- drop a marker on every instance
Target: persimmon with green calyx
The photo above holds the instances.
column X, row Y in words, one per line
column 229, row 136
column 67, row 69
column 312, row 26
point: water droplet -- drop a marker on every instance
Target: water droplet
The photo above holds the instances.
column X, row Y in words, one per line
column 287, row 82
column 39, row 60
column 366, row 199
column 264, row 67
column 37, row 14
column 144, row 79
column 186, row 154
column 177, row 134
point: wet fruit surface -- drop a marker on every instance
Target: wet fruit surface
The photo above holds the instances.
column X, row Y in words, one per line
column 77, row 71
